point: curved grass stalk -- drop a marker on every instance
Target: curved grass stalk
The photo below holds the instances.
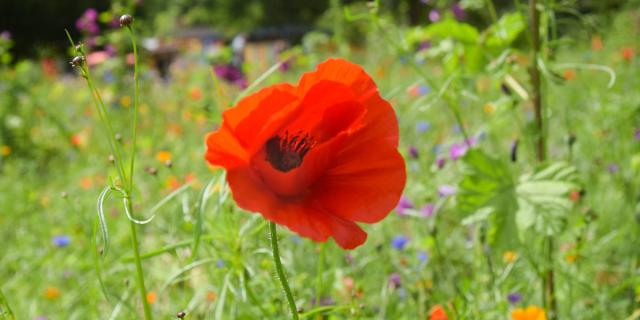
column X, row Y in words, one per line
column 590, row 66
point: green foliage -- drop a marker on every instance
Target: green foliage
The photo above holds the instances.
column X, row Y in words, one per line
column 543, row 198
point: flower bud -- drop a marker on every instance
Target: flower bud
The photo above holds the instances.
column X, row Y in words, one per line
column 126, row 20
column 77, row 61
column 181, row 314
column 152, row 171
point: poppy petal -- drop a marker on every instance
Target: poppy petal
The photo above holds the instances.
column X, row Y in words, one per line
column 224, row 149
column 251, row 194
column 342, row 71
column 365, row 184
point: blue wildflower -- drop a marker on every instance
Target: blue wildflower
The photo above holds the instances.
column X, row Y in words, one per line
column 422, row 126
column 61, row 241
column 399, row 242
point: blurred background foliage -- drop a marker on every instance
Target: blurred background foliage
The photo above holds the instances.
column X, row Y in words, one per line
column 36, row 25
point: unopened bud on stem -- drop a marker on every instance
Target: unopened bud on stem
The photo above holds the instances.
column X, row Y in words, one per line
column 126, row 20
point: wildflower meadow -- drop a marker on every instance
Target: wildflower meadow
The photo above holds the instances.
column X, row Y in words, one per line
column 333, row 159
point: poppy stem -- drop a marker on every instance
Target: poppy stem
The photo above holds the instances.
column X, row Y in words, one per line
column 281, row 275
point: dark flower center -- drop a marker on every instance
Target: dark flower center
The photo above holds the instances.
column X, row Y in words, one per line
column 285, row 152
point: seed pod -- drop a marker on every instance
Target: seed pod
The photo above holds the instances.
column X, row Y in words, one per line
column 126, row 20
column 77, row 61
column 152, row 171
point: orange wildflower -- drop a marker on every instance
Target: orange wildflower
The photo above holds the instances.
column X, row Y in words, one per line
column 574, row 196
column 569, row 74
column 5, row 150
column 438, row 313
column 627, row 54
column 52, row 293
column 163, row 156
column 530, row 313
column 596, row 43
column 195, row 94
column 509, row 256
column 151, row 297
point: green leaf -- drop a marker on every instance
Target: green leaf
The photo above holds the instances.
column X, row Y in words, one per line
column 543, row 200
column 485, row 180
column 452, row 29
column 487, row 193
column 505, row 31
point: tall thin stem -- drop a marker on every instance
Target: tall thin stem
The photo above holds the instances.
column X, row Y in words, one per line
column 135, row 105
column 134, row 136
column 281, row 275
column 548, row 276
column 535, row 80
column 139, row 274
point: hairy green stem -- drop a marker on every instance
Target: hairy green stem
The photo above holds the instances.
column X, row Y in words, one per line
column 281, row 275
column 135, row 106
column 138, row 263
column 549, row 275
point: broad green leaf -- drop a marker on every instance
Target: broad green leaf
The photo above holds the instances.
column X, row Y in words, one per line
column 543, row 200
column 485, row 180
column 487, row 193
column 505, row 31
column 452, row 29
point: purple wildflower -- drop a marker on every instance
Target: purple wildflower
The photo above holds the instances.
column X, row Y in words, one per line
column 403, row 204
column 613, row 167
column 413, row 152
column 423, row 256
column 427, row 210
column 446, row 190
column 458, row 12
column 399, row 242
column 231, row 74
column 87, row 23
column 514, row 297
column 324, row 301
column 61, row 241
column 423, row 126
column 5, row 35
column 348, row 258
column 395, row 281
column 434, row 15
column 637, row 135
column 440, row 162
column 220, row 263
column 424, row 45
column 457, row 150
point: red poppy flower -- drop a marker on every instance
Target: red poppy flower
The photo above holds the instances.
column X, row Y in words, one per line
column 317, row 157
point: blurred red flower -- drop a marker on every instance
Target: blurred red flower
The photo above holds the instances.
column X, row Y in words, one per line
column 317, row 157
column 438, row 313
column 627, row 53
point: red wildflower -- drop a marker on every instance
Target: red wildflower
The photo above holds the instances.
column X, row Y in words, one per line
column 317, row 157
column 627, row 54
column 437, row 313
